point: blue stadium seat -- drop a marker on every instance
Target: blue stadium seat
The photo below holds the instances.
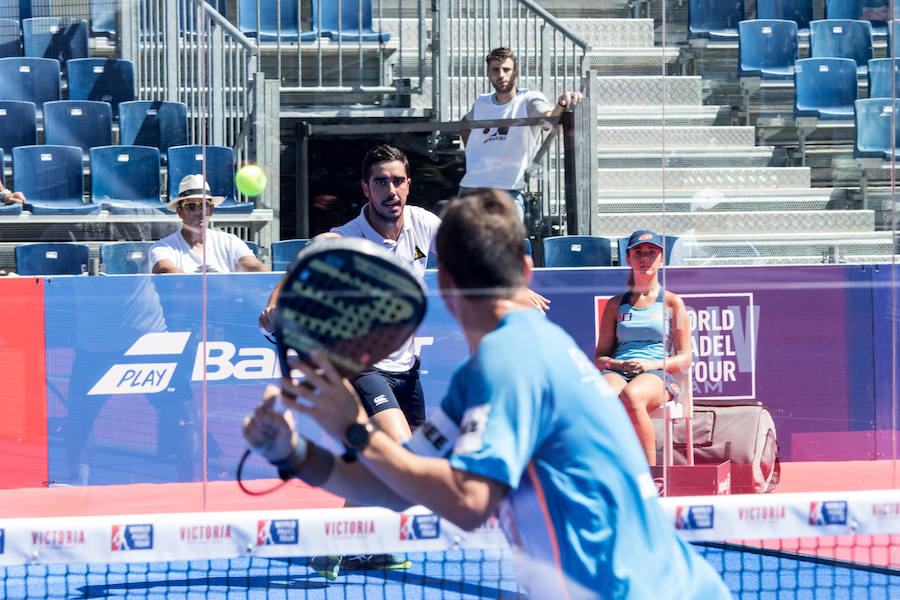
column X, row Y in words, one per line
column 876, row 12
column 34, row 80
column 18, row 125
column 10, row 38
column 355, row 21
column 674, row 250
column 714, row 19
column 126, row 179
column 7, row 209
column 54, row 37
column 767, row 48
column 284, row 251
column 269, row 26
column 893, row 27
column 798, row 11
column 577, row 251
column 253, row 246
column 873, row 128
column 83, row 123
column 125, row 258
column 52, row 258
column 103, row 18
column 881, row 83
column 431, row 263
column 842, row 38
column 826, row 88
column 188, row 160
column 51, row 179
column 103, row 79
column 24, row 9
column 153, row 123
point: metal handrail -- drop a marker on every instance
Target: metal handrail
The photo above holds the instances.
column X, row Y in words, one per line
column 559, row 27
column 226, row 25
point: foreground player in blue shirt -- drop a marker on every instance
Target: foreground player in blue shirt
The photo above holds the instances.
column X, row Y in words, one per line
column 528, row 429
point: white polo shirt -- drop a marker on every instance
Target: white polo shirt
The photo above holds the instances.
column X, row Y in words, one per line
column 415, row 242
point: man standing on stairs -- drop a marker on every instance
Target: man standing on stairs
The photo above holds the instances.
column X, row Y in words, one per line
column 497, row 157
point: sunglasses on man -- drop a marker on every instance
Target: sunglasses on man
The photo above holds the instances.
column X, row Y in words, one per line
column 192, row 206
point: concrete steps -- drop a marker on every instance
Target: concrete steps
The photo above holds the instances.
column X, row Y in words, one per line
column 737, row 223
column 690, row 115
column 722, row 200
column 685, row 158
column 704, row 178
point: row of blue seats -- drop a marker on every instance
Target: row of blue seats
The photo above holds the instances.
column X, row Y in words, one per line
column 351, row 22
column 45, row 37
column 89, row 124
column 768, row 49
column 124, row 179
column 118, row 258
column 102, row 13
column 71, row 258
column 39, row 80
column 719, row 19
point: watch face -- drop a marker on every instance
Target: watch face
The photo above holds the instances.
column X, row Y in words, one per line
column 357, row 435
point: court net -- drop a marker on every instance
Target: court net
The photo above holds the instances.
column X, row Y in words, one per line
column 777, row 546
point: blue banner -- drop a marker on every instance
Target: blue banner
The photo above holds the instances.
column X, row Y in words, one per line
column 128, row 358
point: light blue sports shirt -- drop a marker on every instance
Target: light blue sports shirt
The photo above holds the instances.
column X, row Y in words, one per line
column 640, row 331
column 530, row 410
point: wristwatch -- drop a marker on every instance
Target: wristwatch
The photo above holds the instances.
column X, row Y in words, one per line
column 357, row 435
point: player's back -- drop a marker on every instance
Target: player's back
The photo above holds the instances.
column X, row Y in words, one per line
column 586, row 498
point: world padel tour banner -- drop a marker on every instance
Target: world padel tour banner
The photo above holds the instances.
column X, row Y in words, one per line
column 723, row 335
column 128, row 358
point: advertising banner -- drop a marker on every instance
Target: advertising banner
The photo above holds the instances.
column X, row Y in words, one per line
column 129, row 358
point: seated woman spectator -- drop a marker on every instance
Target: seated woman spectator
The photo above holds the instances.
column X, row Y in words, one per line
column 644, row 337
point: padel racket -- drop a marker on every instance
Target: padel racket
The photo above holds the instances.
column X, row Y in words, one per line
column 349, row 299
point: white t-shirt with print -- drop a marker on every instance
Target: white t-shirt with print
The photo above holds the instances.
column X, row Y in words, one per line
column 498, row 158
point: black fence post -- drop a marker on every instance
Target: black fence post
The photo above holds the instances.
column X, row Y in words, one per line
column 302, row 178
column 567, row 120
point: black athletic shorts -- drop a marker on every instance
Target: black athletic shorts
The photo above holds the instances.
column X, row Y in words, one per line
column 380, row 390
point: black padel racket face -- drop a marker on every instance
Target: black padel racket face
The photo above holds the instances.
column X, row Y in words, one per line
column 349, row 299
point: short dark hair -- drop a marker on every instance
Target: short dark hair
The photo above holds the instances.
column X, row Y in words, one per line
column 481, row 243
column 381, row 154
column 501, row 54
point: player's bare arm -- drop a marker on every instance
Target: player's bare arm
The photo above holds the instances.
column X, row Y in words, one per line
column 394, row 477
